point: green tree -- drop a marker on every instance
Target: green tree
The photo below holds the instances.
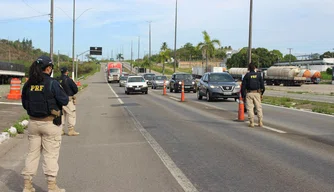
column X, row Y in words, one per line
column 208, row 47
column 164, row 55
column 287, row 58
column 120, row 56
column 327, row 54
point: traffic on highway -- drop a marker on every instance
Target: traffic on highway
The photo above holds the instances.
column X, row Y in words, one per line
column 217, row 152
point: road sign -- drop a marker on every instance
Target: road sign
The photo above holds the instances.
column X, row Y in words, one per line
column 95, row 51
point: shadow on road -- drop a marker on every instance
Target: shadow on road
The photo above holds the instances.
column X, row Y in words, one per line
column 14, row 181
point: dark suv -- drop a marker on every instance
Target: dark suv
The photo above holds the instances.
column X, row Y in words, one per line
column 218, row 85
column 148, row 78
column 176, row 81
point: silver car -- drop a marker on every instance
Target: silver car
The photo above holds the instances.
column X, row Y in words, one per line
column 122, row 81
column 158, row 81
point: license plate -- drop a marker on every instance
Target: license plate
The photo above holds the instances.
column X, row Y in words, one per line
column 137, row 88
column 227, row 93
column 186, row 86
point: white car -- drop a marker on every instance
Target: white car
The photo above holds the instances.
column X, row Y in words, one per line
column 136, row 84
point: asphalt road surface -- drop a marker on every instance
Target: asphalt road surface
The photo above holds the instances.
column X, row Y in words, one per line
column 153, row 143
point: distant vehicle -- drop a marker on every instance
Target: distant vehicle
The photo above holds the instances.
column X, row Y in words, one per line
column 122, row 81
column 125, row 74
column 176, row 81
column 114, row 71
column 136, row 84
column 158, row 81
column 148, row 78
column 218, row 85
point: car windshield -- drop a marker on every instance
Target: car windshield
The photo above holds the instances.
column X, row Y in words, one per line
column 183, row 76
column 136, row 79
column 221, row 77
column 160, row 78
column 149, row 76
column 114, row 70
column 124, row 78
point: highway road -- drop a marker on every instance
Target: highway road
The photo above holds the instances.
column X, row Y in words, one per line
column 156, row 143
column 304, row 96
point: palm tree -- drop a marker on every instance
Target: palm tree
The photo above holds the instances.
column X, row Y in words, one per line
column 164, row 55
column 120, row 56
column 208, row 47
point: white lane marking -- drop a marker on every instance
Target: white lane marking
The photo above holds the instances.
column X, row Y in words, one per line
column 176, row 99
column 9, row 103
column 177, row 173
column 298, row 110
column 270, row 128
column 120, row 100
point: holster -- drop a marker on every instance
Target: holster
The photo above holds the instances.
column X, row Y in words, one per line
column 74, row 99
column 57, row 117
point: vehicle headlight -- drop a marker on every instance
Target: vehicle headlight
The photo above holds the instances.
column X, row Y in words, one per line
column 193, row 83
column 237, row 87
column 212, row 86
column 145, row 85
column 129, row 85
column 180, row 82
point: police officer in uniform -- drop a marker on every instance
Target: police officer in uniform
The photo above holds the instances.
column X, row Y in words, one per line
column 69, row 110
column 252, row 91
column 43, row 98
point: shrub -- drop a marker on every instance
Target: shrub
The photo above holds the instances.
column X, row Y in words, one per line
column 19, row 128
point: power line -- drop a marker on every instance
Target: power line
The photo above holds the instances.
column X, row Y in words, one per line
column 31, row 7
column 22, row 18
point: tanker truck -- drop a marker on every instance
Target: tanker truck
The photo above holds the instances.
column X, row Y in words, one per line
column 315, row 76
column 288, row 76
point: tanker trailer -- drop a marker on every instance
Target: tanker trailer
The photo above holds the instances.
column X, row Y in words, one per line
column 237, row 73
column 288, row 76
column 305, row 73
column 315, row 76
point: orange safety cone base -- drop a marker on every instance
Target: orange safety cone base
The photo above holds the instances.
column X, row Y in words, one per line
column 13, row 97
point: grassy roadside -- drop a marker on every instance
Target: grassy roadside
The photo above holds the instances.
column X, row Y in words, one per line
column 319, row 107
column 307, row 92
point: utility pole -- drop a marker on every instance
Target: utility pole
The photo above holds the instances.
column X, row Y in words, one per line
column 250, row 32
column 290, row 55
column 51, row 32
column 58, row 58
column 149, row 54
column 9, row 59
column 73, row 41
column 131, row 55
column 175, row 36
column 138, row 48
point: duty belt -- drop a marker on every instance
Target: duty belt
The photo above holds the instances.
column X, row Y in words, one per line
column 253, row 91
column 48, row 118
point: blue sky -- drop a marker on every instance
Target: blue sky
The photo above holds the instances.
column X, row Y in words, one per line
column 304, row 25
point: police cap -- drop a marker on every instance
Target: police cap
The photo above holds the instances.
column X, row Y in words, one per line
column 63, row 70
column 44, row 61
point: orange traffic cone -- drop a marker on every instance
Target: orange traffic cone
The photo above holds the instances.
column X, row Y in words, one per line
column 182, row 92
column 15, row 89
column 241, row 114
column 164, row 91
column 78, row 83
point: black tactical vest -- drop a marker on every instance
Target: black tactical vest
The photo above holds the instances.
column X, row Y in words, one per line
column 40, row 99
column 253, row 81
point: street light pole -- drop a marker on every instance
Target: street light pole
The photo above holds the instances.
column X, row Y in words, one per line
column 138, row 48
column 175, row 36
column 149, row 54
column 250, row 32
column 51, row 32
column 290, row 55
column 73, row 41
column 131, row 55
